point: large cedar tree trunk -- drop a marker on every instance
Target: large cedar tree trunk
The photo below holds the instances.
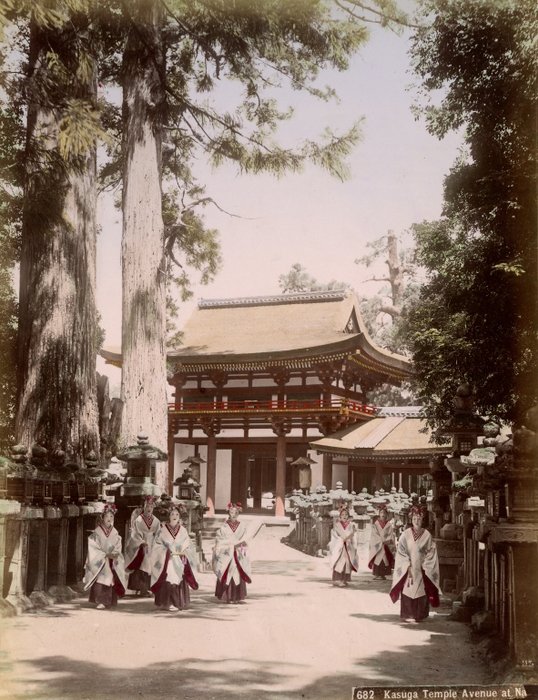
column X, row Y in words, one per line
column 143, row 266
column 57, row 401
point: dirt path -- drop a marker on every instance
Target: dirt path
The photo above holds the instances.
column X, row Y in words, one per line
column 295, row 637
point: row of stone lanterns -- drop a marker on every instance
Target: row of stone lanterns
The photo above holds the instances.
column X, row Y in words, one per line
column 316, row 512
column 485, row 505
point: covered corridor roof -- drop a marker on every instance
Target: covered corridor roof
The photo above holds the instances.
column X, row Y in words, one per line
column 383, row 436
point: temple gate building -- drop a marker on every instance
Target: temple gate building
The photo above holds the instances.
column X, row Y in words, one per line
column 257, row 379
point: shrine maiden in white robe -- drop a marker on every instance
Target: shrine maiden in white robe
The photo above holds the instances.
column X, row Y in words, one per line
column 343, row 548
column 100, row 567
column 231, row 563
column 144, row 530
column 173, row 558
column 381, row 547
column 416, row 568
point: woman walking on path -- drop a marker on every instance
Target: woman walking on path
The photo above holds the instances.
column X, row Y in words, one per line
column 343, row 549
column 144, row 529
column 104, row 573
column 382, row 546
column 173, row 560
column 231, row 561
column 416, row 571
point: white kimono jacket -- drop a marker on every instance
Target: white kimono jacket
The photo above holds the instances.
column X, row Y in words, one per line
column 381, row 539
column 143, row 532
column 169, row 557
column 231, row 562
column 343, row 547
column 421, row 556
column 99, row 568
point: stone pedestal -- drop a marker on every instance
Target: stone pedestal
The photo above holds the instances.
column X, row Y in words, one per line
column 324, row 524
column 450, row 553
column 194, row 524
column 521, row 494
column 27, row 544
column 16, row 560
column 58, row 530
column 74, row 563
column 517, row 543
column 8, row 512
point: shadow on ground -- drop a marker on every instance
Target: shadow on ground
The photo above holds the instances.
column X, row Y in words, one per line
column 357, row 583
column 424, row 664
column 280, row 568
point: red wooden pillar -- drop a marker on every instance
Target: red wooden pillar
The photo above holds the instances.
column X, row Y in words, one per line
column 280, row 474
column 281, row 428
column 211, row 473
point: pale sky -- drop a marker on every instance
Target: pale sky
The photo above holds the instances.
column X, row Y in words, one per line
column 397, row 172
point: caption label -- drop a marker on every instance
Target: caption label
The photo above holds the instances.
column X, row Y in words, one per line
column 469, row 692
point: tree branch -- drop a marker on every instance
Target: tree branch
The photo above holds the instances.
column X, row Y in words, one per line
column 377, row 279
column 210, row 200
column 208, row 49
column 383, row 16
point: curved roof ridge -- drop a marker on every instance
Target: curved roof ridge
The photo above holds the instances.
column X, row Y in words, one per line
column 406, row 411
column 267, row 300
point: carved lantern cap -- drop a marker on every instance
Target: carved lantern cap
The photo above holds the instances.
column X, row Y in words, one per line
column 38, row 456
column 91, row 460
column 320, row 496
column 142, row 450
column 195, row 459
column 379, row 502
column 480, row 456
column 463, row 419
column 339, row 493
column 303, row 462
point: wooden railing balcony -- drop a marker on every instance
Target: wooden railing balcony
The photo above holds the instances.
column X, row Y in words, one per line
column 289, row 406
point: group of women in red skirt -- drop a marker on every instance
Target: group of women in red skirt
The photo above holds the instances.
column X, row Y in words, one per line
column 160, row 559
column 412, row 561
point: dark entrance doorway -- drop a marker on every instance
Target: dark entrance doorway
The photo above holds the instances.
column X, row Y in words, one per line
column 254, row 475
column 261, row 482
column 254, row 480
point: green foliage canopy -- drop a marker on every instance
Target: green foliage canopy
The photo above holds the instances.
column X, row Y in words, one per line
column 475, row 320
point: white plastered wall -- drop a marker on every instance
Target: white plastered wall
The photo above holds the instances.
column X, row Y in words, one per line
column 224, row 479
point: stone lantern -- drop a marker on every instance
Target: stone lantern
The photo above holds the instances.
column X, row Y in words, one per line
column 321, row 516
column 304, row 472
column 188, row 494
column 187, row 486
column 42, row 483
column 20, row 482
column 140, row 479
column 94, row 478
column 194, row 462
column 517, row 536
column 360, row 505
column 464, row 427
column 61, row 492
